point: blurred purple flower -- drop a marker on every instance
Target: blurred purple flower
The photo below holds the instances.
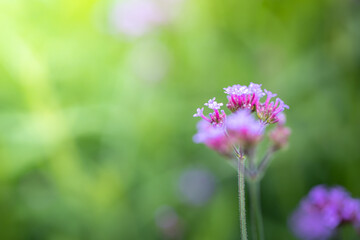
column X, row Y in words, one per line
column 213, row 136
column 197, row 186
column 308, row 226
column 323, row 211
column 137, row 17
column 242, row 127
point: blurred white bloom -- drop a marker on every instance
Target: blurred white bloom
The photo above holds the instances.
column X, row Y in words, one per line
column 138, row 17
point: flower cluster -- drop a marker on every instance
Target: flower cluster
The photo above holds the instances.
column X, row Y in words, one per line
column 237, row 135
column 248, row 97
column 268, row 112
column 216, row 118
column 323, row 211
column 243, row 97
column 222, row 133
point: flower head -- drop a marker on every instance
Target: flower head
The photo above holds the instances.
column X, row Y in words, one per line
column 242, row 126
column 243, row 97
column 216, row 118
column 269, row 112
column 323, row 211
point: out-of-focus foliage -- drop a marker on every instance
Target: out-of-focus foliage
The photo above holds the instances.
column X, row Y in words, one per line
column 96, row 126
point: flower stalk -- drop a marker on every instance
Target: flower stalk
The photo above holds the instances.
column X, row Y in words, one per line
column 241, row 186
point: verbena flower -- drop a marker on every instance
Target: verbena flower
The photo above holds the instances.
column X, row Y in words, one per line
column 243, row 128
column 243, row 97
column 323, row 211
column 248, row 97
column 240, row 132
column 268, row 112
column 216, row 118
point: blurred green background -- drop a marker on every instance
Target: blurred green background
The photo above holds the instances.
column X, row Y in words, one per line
column 96, row 124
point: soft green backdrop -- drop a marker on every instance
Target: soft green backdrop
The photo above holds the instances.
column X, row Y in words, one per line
column 96, row 127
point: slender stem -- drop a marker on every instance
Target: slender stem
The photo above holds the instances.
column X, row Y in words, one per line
column 256, row 217
column 241, row 183
column 265, row 161
column 250, row 152
column 244, row 170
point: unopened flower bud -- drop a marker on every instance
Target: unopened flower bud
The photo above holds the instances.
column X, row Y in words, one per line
column 279, row 136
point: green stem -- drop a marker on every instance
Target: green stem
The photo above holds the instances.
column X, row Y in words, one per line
column 256, row 217
column 241, row 183
column 265, row 162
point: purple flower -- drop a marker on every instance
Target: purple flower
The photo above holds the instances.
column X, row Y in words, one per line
column 307, row 226
column 323, row 211
column 213, row 136
column 242, row 127
column 351, row 211
column 216, row 118
column 243, row 97
column 268, row 111
column 318, row 195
